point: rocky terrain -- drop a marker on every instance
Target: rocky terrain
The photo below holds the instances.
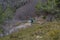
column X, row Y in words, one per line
column 29, row 20
column 27, row 9
column 8, row 6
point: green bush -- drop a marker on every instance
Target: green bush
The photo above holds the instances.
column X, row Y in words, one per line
column 50, row 7
column 1, row 14
column 7, row 14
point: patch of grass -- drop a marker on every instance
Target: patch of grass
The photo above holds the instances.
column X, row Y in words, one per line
column 47, row 31
column 1, row 30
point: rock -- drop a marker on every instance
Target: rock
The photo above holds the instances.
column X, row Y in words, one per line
column 39, row 37
column 1, row 35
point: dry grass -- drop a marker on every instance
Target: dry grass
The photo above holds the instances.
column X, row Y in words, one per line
column 47, row 31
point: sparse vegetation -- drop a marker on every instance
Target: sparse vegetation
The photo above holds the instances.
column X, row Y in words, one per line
column 1, row 30
column 1, row 15
column 47, row 31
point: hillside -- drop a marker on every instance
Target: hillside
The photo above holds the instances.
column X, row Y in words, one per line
column 29, row 19
column 14, row 13
column 47, row 31
column 7, row 12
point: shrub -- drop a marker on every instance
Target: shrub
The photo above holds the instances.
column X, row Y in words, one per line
column 1, row 14
column 50, row 7
column 9, row 12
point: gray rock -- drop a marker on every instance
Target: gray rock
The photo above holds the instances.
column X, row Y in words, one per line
column 1, row 35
